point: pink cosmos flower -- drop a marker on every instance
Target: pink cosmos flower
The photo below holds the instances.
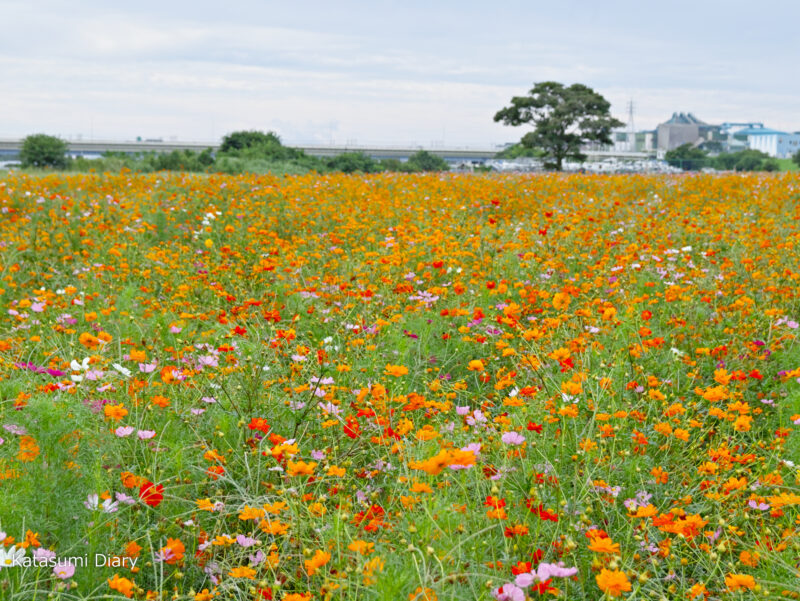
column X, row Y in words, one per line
column 208, row 361
column 64, row 571
column 543, row 573
column 245, row 541
column 94, row 374
column 509, row 592
column 512, row 437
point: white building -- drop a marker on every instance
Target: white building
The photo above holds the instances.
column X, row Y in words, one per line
column 776, row 144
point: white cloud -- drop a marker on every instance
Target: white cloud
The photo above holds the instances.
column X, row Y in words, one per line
column 382, row 72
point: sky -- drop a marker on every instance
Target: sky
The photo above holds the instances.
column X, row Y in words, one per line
column 425, row 73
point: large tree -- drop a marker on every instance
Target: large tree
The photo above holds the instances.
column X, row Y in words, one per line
column 564, row 119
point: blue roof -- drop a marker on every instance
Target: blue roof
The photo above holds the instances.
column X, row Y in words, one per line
column 759, row 131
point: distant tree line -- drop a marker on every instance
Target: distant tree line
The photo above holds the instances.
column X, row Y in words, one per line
column 239, row 152
column 259, row 152
column 689, row 158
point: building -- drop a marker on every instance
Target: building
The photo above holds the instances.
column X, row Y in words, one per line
column 684, row 128
column 643, row 141
column 778, row 144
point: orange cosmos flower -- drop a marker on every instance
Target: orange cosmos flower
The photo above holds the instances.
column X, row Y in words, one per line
column 121, row 585
column 395, row 370
column 737, row 582
column 422, row 594
column 320, row 559
column 88, row 340
column 361, row 547
column 273, row 527
column 129, row 480
column 243, row 572
column 561, row 301
column 28, row 449
column 301, row 468
column 169, row 374
column 115, row 412
column 613, row 582
column 173, row 551
column 603, row 544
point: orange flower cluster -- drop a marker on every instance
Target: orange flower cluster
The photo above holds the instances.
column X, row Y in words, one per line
column 405, row 385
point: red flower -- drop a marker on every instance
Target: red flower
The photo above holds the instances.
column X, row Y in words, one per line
column 494, row 502
column 151, row 494
column 543, row 513
column 259, row 423
column 535, row 427
column 371, row 519
column 521, row 568
column 215, row 471
column 352, row 428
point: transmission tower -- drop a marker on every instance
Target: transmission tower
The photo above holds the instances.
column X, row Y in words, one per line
column 631, row 128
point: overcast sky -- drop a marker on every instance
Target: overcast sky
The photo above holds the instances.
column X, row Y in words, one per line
column 424, row 72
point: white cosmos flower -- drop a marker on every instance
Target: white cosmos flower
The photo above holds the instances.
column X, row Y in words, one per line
column 82, row 366
column 11, row 557
column 123, row 370
column 109, row 506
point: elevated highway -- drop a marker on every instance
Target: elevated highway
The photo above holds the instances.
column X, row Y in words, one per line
column 10, row 148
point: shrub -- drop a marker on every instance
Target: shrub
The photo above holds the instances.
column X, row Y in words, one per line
column 41, row 150
column 423, row 160
column 353, row 162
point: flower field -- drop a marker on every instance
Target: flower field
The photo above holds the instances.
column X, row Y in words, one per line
column 399, row 387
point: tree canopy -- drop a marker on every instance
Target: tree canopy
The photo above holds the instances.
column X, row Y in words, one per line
column 41, row 150
column 564, row 120
column 241, row 140
column 422, row 160
column 687, row 157
column 690, row 158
